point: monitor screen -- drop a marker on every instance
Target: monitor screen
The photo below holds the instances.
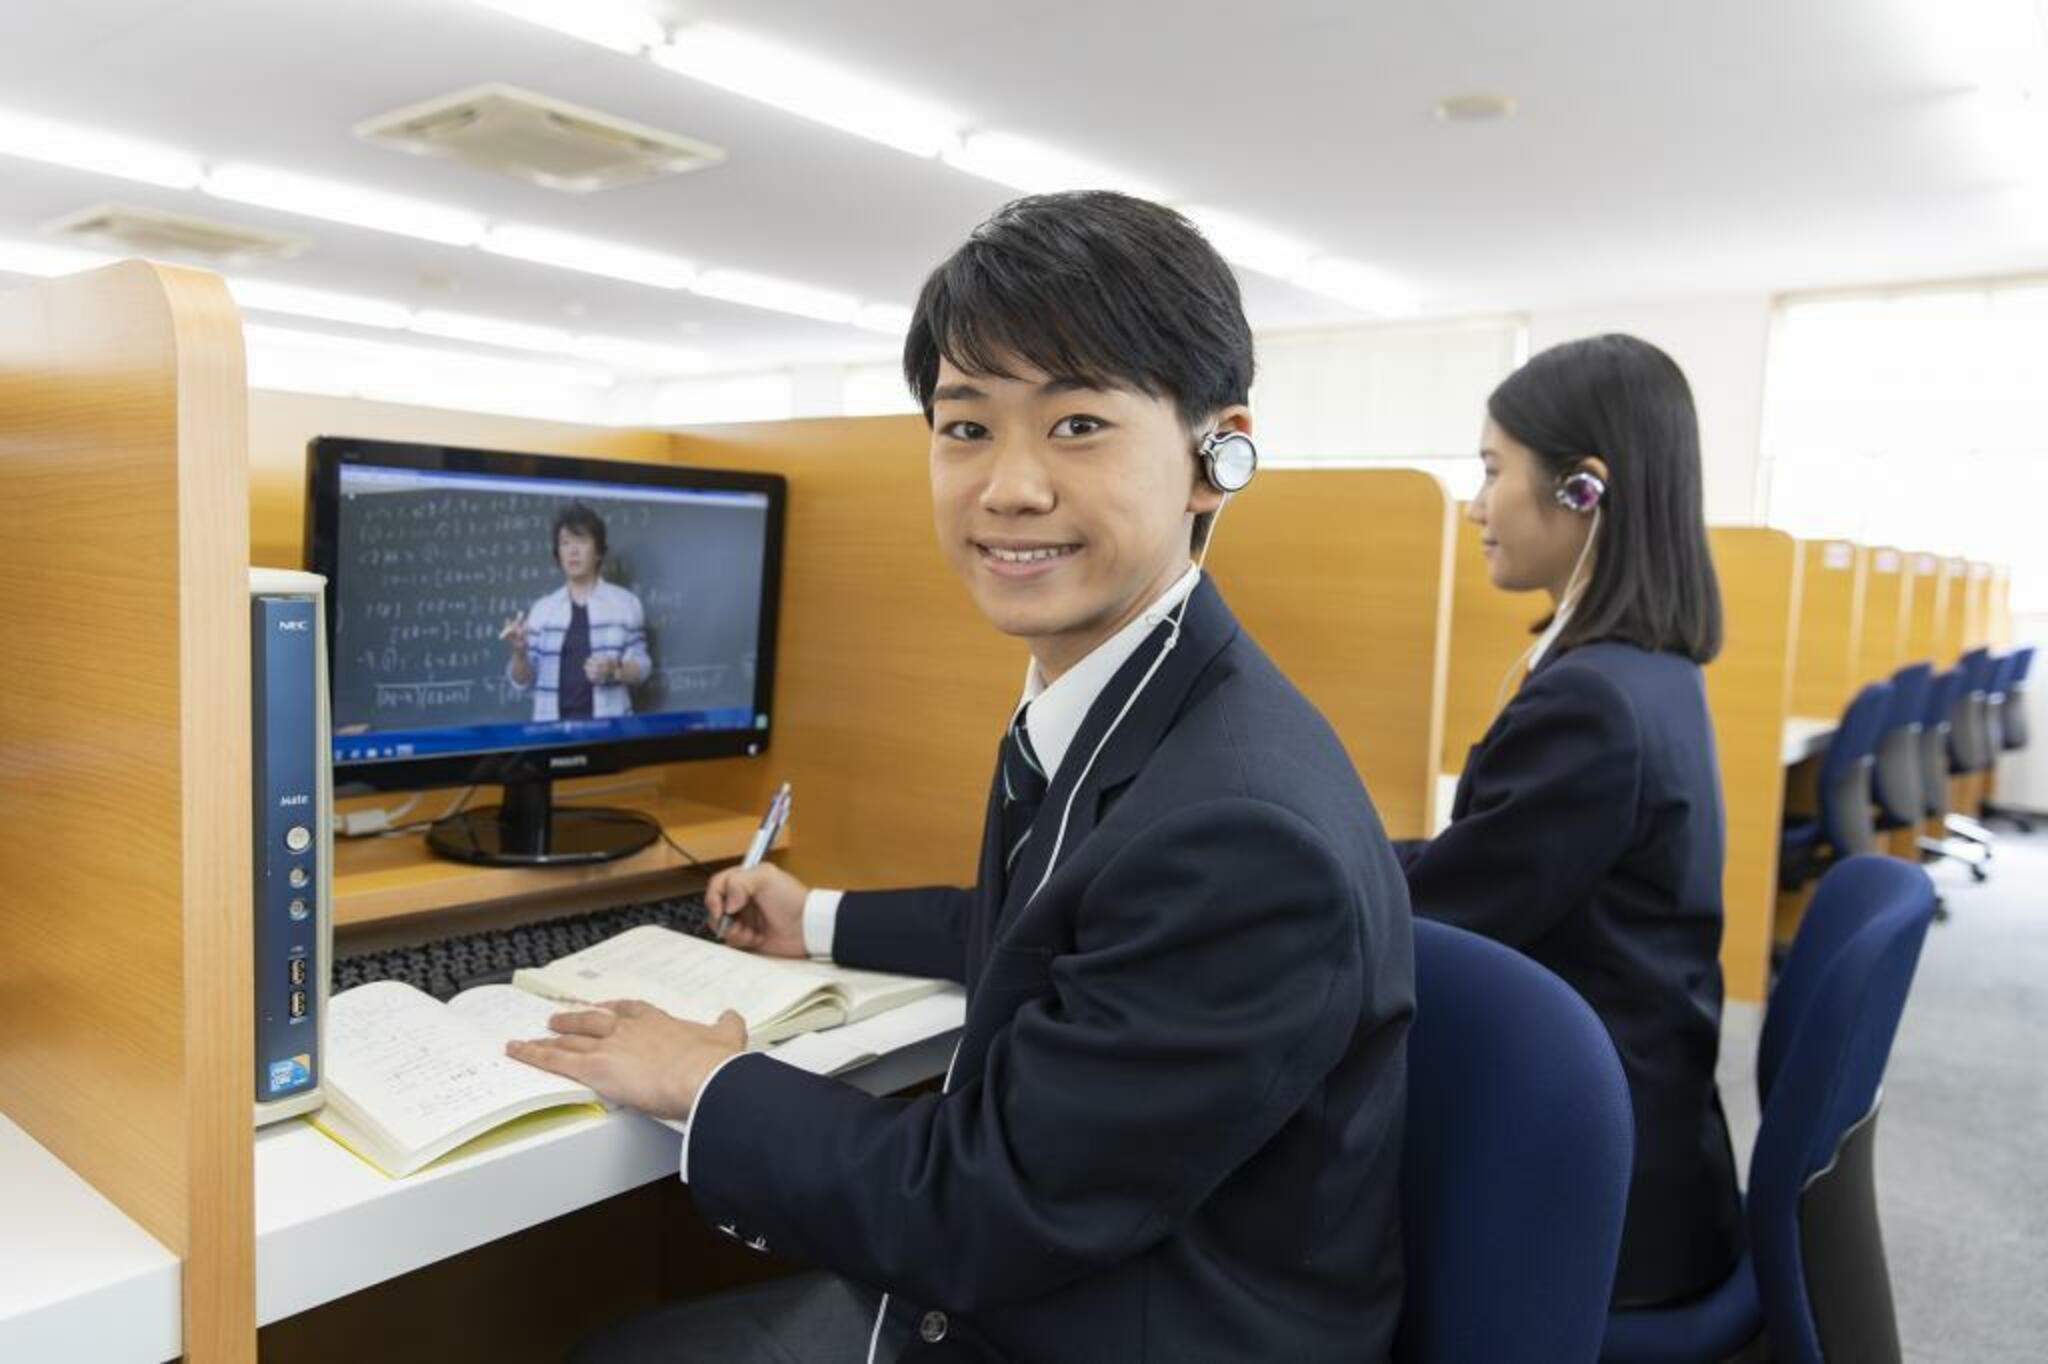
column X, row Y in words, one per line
column 497, row 616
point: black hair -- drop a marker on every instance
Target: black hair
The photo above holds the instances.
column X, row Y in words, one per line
column 1091, row 286
column 582, row 520
column 1622, row 400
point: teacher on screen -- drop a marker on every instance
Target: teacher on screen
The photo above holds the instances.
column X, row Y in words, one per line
column 583, row 647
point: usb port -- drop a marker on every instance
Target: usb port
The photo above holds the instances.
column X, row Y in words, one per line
column 298, row 1004
column 298, row 970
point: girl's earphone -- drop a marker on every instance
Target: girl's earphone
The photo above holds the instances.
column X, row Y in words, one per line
column 1581, row 491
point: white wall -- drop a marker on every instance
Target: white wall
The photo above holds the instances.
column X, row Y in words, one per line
column 1719, row 341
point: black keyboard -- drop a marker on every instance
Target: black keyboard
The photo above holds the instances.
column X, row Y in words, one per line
column 451, row 965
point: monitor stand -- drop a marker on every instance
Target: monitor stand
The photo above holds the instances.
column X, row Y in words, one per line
column 529, row 830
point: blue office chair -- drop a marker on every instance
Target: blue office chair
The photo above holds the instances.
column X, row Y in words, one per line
column 2010, row 730
column 1895, row 780
column 1935, row 723
column 1813, row 1277
column 1844, row 826
column 1971, row 748
column 1515, row 1172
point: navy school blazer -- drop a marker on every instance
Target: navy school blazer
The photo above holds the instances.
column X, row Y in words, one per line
column 1173, row 1130
column 1587, row 832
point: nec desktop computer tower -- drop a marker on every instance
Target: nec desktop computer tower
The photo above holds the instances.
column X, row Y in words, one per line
column 292, row 840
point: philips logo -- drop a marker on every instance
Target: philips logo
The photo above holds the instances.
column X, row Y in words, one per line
column 300, row 625
column 572, row 760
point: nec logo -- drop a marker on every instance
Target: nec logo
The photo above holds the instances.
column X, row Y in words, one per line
column 573, row 760
column 293, row 800
column 300, row 625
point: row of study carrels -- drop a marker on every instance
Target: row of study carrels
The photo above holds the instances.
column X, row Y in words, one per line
column 141, row 478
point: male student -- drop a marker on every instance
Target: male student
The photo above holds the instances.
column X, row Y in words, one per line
column 1172, row 1130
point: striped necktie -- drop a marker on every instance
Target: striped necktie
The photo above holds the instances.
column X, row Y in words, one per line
column 1024, row 787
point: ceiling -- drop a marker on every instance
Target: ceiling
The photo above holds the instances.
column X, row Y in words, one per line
column 1658, row 149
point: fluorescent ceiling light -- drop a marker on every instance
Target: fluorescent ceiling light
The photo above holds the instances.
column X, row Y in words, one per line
column 491, row 331
column 759, row 291
column 1248, row 244
column 59, row 144
column 314, row 198
column 891, row 319
column 593, row 257
column 1036, row 168
column 1361, row 286
column 34, row 258
column 643, row 355
column 267, row 296
column 802, row 85
column 425, row 366
column 619, row 25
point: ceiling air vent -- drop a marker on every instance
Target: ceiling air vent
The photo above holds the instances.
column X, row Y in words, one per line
column 557, row 145
column 154, row 233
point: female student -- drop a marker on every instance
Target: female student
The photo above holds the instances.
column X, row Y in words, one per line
column 1587, row 826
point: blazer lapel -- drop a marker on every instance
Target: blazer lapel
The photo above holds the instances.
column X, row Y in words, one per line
column 1206, row 628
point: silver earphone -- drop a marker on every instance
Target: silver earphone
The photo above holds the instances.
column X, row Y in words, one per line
column 1229, row 459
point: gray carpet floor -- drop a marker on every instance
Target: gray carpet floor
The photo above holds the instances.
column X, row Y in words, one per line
column 1961, row 1166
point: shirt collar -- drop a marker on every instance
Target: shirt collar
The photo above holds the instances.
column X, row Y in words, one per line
column 1058, row 710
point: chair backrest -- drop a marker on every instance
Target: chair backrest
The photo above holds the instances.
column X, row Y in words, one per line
column 1969, row 747
column 2012, row 720
column 1934, row 723
column 1519, row 1145
column 1825, row 1090
column 1848, row 896
column 1895, row 777
column 1845, row 793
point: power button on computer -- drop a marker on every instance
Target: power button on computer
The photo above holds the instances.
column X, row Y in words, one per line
column 298, row 838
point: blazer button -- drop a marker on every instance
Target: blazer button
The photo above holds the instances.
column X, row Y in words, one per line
column 932, row 1329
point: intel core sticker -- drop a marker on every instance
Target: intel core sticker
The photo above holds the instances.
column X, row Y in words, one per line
column 290, row 1074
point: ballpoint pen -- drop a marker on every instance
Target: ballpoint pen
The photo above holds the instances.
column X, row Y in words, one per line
column 764, row 838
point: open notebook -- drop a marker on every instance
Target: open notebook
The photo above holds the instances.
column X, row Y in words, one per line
column 409, row 1078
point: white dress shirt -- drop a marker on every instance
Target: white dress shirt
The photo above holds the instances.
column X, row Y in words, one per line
column 1057, row 710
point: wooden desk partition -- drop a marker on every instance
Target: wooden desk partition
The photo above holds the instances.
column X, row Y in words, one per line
column 1926, row 625
column 1344, row 577
column 1749, row 690
column 125, row 1030
column 1977, row 606
column 1952, row 634
column 891, row 688
column 1490, row 631
column 1999, row 628
column 1832, row 576
column 1887, row 608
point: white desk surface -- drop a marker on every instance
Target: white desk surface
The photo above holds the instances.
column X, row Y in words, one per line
column 1446, row 793
column 328, row 1225
column 1806, row 735
column 78, row 1281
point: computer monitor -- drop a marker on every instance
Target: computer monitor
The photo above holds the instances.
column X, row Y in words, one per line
column 498, row 617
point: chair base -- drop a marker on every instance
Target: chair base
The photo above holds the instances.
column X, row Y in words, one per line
column 1970, row 831
column 2022, row 819
column 1932, row 849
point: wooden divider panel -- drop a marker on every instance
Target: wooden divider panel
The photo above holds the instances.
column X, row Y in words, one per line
column 1749, row 689
column 1344, row 577
column 125, row 1028
column 1831, row 613
column 1887, row 607
column 1926, row 627
column 1954, row 632
column 1977, row 606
